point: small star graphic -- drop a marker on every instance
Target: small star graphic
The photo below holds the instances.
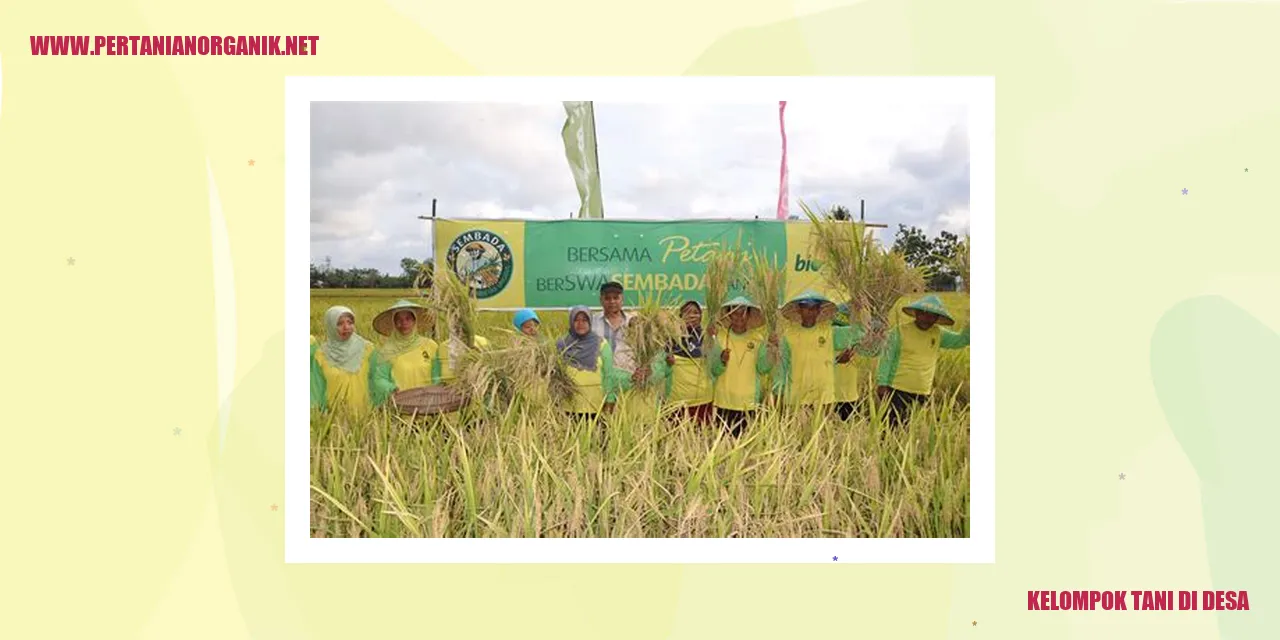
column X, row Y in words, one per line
column 1246, row 169
column 177, row 431
column 273, row 507
column 251, row 163
column 1122, row 476
column 1184, row 192
column 975, row 623
column 834, row 558
column 71, row 262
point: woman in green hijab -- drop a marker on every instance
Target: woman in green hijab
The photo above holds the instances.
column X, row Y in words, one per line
column 346, row 371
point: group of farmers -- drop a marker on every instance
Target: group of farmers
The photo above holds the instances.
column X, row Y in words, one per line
column 720, row 374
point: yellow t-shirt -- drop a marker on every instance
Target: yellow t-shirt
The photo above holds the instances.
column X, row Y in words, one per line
column 690, row 383
column 412, row 369
column 738, row 387
column 590, row 395
column 846, row 378
column 812, row 372
column 348, row 390
column 911, row 358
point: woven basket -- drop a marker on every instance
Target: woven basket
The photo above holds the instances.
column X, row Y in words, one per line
column 427, row 400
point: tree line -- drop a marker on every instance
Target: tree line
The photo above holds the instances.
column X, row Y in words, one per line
column 934, row 255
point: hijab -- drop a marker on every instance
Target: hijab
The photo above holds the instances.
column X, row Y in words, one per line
column 397, row 343
column 582, row 352
column 690, row 344
column 347, row 354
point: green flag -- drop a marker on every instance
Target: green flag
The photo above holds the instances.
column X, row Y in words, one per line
column 579, row 135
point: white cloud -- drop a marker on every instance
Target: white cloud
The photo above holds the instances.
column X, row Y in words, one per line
column 376, row 166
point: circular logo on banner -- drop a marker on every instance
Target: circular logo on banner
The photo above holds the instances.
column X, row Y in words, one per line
column 482, row 259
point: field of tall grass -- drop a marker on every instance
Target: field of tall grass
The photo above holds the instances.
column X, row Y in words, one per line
column 646, row 474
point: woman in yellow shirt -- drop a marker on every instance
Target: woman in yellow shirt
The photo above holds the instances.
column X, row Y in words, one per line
column 910, row 357
column 590, row 363
column 346, row 372
column 685, row 371
column 411, row 354
column 738, row 358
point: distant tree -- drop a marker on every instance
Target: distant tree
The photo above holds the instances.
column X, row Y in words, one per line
column 839, row 212
column 932, row 255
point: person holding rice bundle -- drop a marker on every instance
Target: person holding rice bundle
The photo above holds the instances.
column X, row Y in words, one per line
column 452, row 351
column 910, row 357
column 346, row 371
column 590, row 363
column 812, row 348
column 527, row 322
column 683, row 369
column 739, row 357
column 847, row 388
column 410, row 354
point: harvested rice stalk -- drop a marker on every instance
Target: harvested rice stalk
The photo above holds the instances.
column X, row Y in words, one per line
column 724, row 270
column 454, row 303
column 652, row 328
column 871, row 278
column 767, row 283
column 529, row 373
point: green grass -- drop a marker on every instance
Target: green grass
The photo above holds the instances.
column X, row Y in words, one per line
column 529, row 475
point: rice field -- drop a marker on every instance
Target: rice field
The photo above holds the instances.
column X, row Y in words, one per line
column 646, row 474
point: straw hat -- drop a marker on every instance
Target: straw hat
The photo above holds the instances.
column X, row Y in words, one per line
column 930, row 304
column 791, row 310
column 755, row 317
column 385, row 323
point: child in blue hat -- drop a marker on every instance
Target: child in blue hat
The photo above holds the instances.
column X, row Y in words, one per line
column 527, row 322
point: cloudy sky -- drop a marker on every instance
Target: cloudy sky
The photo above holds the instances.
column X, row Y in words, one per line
column 376, row 166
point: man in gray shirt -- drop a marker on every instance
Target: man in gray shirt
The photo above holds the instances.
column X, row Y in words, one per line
column 610, row 323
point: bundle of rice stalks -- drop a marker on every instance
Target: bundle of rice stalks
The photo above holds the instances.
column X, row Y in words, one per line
column 530, row 373
column 454, row 303
column 724, row 271
column 767, row 284
column 652, row 328
column 960, row 263
column 871, row 278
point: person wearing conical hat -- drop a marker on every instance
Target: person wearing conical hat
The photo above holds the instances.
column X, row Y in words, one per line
column 740, row 354
column 682, row 370
column 811, row 349
column 411, row 354
column 346, row 372
column 910, row 358
column 526, row 321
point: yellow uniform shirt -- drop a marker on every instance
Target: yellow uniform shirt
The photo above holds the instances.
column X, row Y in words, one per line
column 412, row 369
column 910, row 358
column 351, row 391
column 737, row 383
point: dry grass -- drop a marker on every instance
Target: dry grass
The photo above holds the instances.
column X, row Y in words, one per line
column 514, row 472
column 871, row 278
column 767, row 284
column 652, row 328
column 528, row 374
column 724, row 272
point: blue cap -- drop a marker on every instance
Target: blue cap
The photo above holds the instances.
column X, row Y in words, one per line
column 523, row 316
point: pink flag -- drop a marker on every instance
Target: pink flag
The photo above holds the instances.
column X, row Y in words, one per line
column 782, row 179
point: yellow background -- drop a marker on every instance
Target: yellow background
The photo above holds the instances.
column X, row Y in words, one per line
column 115, row 527
column 798, row 245
column 512, row 296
